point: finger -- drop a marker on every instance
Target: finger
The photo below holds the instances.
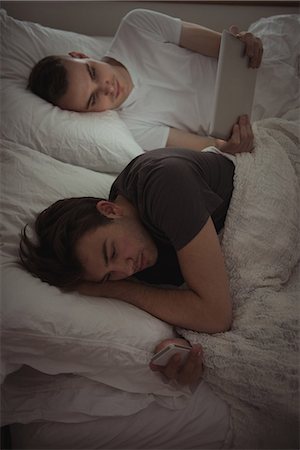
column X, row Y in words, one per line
column 155, row 367
column 249, row 128
column 171, row 369
column 250, row 137
column 190, row 362
column 255, row 49
column 252, row 47
column 246, row 134
column 248, row 39
column 243, row 129
column 192, row 370
column 234, row 30
column 243, row 135
column 235, row 136
column 257, row 52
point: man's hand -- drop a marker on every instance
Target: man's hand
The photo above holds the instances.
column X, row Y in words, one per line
column 187, row 374
column 241, row 139
column 253, row 46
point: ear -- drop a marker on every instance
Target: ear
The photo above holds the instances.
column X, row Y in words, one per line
column 78, row 55
column 109, row 209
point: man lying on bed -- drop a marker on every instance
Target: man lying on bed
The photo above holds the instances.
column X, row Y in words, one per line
column 160, row 226
column 159, row 74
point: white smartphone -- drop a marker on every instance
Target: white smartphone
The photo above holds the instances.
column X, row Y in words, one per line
column 161, row 358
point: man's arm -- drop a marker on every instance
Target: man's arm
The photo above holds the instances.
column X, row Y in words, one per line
column 207, row 42
column 200, row 39
column 184, row 139
column 204, row 306
column 241, row 140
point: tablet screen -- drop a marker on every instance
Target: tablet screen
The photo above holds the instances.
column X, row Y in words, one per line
column 235, row 85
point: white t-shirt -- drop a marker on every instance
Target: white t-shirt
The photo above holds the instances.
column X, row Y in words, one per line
column 173, row 87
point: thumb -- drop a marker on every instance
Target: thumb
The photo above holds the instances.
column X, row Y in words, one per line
column 234, row 30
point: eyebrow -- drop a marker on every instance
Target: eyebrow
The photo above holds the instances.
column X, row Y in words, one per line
column 91, row 96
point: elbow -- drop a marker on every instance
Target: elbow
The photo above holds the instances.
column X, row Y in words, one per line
column 223, row 316
column 216, row 322
column 225, row 325
column 223, row 322
column 221, row 326
column 214, row 326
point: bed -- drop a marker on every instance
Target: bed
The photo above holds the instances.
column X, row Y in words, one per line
column 75, row 369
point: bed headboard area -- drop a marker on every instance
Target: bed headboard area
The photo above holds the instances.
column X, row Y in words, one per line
column 103, row 17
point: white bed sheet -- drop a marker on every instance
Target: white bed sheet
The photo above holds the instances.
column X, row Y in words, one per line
column 203, row 424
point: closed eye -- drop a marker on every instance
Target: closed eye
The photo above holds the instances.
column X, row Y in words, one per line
column 92, row 71
column 93, row 98
column 107, row 259
column 113, row 252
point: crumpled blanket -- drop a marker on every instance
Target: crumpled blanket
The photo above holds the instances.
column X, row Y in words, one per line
column 254, row 366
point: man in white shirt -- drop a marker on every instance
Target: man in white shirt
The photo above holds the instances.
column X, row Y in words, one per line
column 159, row 74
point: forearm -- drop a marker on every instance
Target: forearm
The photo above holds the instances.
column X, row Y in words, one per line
column 178, row 307
column 180, row 138
column 200, row 39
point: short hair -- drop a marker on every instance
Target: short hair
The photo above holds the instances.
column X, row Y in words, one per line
column 48, row 79
column 52, row 257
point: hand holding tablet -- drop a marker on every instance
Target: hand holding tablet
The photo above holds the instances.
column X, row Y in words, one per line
column 235, row 84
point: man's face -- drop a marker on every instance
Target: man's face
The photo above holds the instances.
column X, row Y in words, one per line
column 116, row 251
column 94, row 86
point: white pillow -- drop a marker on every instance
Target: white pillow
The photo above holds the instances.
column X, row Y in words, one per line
column 98, row 141
column 102, row 339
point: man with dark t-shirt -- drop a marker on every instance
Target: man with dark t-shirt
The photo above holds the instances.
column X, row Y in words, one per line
column 174, row 193
column 159, row 226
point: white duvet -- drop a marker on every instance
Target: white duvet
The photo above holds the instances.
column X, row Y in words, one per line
column 254, row 366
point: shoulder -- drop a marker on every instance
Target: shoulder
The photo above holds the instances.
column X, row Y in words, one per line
column 164, row 27
column 136, row 16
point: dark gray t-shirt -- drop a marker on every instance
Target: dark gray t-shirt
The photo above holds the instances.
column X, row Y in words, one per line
column 175, row 191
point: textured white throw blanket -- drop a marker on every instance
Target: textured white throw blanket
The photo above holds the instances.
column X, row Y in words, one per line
column 254, row 366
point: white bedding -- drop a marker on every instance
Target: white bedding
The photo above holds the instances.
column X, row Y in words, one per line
column 254, row 366
column 70, row 408
column 106, row 344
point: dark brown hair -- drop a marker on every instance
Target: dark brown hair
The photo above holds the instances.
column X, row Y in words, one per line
column 48, row 79
column 52, row 257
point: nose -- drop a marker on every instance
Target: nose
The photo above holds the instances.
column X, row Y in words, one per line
column 106, row 88
column 123, row 268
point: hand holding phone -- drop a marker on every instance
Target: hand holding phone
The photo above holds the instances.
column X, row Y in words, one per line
column 163, row 356
column 187, row 371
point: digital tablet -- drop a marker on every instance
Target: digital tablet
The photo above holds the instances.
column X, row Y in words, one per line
column 235, row 85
